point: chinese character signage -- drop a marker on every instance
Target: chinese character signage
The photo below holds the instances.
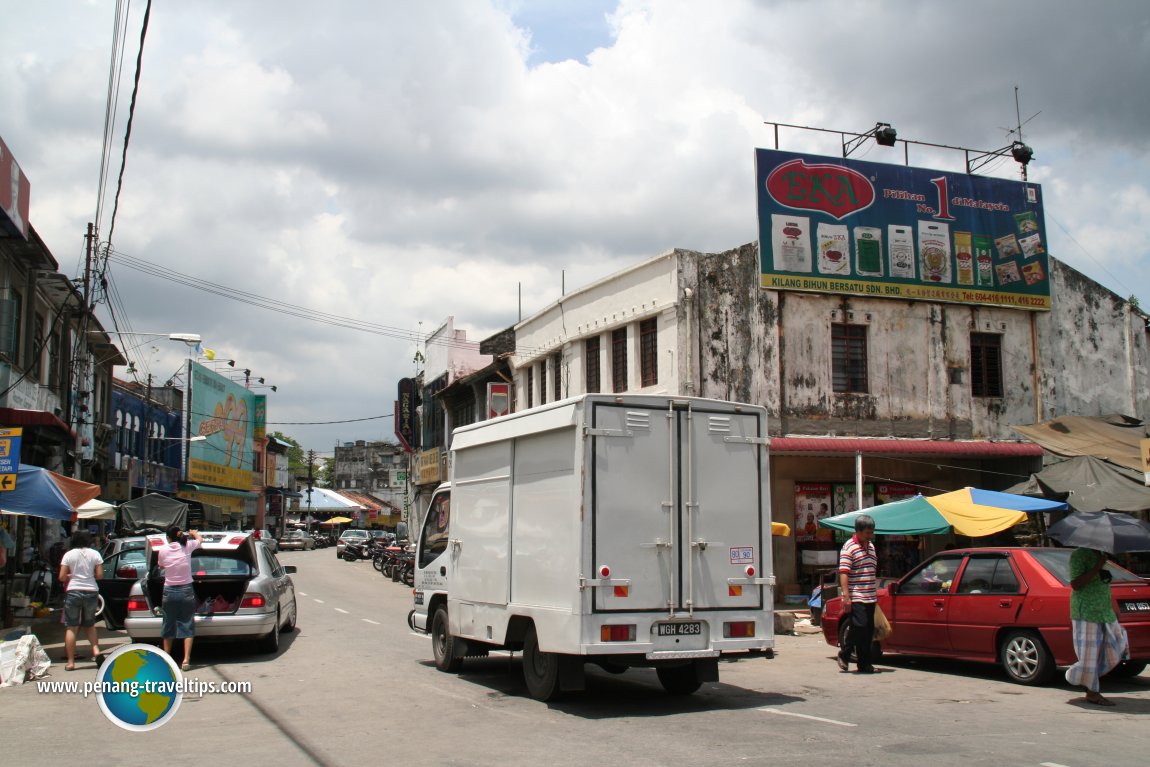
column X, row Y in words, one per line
column 226, row 413
column 872, row 229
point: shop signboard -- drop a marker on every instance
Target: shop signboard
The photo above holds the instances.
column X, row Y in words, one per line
column 498, row 399
column 405, row 414
column 428, row 469
column 10, row 456
column 833, row 225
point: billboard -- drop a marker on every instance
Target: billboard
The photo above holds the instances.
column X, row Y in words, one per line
column 14, row 193
column 833, row 225
column 224, row 412
column 405, row 420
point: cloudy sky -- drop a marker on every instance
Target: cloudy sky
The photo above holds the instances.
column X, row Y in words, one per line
column 313, row 186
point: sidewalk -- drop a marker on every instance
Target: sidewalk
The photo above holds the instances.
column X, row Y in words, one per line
column 50, row 633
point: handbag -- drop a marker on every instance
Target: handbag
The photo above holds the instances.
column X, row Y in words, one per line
column 882, row 627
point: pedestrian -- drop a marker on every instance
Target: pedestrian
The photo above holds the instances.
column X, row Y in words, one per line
column 80, row 568
column 858, row 570
column 1100, row 642
column 179, row 601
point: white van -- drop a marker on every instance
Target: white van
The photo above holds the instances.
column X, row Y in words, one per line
column 620, row 530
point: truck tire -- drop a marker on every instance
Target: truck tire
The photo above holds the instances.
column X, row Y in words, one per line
column 443, row 643
column 540, row 669
column 679, row 680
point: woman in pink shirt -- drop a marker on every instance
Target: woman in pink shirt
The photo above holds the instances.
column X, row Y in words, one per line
column 179, row 594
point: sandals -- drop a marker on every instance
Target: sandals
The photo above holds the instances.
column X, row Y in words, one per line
column 186, row 666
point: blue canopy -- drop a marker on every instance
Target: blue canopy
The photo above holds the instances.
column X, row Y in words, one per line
column 41, row 493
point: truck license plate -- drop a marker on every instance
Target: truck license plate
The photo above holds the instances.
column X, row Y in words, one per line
column 1135, row 607
column 679, row 629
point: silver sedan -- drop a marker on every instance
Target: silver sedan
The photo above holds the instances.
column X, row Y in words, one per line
column 242, row 592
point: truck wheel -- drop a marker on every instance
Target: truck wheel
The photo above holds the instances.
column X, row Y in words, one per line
column 1026, row 659
column 540, row 669
column 442, row 643
column 679, row 680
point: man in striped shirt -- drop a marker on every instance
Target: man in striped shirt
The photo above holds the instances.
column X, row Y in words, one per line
column 858, row 570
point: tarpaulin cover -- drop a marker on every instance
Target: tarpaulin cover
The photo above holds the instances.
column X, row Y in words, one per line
column 970, row 511
column 1114, row 438
column 1087, row 483
column 152, row 512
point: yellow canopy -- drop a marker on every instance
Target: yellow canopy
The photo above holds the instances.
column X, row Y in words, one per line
column 337, row 521
column 780, row 528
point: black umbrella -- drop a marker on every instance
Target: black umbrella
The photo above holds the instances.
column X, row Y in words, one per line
column 1115, row 533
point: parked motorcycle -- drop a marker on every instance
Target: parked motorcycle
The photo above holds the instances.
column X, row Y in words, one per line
column 353, row 551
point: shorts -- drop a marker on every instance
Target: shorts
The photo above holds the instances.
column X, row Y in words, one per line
column 80, row 608
column 179, row 612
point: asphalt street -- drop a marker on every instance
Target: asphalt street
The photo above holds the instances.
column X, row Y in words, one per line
column 353, row 685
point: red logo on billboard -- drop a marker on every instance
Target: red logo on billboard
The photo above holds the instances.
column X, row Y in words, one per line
column 833, row 189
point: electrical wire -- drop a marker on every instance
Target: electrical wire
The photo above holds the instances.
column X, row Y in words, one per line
column 131, row 116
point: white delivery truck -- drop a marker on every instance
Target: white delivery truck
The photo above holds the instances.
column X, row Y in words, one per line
column 621, row 530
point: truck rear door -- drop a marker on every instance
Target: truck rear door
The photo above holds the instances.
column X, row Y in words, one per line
column 676, row 506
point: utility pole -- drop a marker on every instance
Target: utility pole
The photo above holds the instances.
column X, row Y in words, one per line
column 310, row 485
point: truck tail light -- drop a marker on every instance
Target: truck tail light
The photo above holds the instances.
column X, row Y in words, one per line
column 739, row 629
column 622, row 591
column 138, row 605
column 750, row 571
column 604, row 571
column 623, row 633
column 253, row 600
column 734, row 591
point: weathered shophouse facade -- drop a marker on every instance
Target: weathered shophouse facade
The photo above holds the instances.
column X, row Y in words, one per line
column 921, row 395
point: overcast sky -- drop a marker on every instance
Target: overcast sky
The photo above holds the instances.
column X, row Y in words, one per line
column 395, row 163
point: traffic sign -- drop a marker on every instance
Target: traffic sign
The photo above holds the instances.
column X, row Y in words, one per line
column 9, row 457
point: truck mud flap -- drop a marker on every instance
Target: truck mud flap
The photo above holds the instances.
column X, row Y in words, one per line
column 572, row 675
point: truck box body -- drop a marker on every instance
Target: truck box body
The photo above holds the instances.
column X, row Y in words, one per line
column 647, row 515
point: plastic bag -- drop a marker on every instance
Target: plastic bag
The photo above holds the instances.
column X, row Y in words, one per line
column 882, row 627
column 21, row 660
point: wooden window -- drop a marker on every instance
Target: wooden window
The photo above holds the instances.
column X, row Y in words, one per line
column 619, row 360
column 556, row 366
column 591, row 365
column 848, row 358
column 530, row 387
column 649, row 352
column 543, row 382
column 985, row 365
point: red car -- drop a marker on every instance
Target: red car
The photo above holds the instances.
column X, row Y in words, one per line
column 999, row 605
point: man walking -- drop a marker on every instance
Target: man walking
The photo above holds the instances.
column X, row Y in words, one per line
column 858, row 571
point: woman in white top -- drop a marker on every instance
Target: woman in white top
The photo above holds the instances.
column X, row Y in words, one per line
column 80, row 568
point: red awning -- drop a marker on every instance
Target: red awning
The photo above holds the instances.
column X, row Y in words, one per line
column 967, row 448
column 10, row 416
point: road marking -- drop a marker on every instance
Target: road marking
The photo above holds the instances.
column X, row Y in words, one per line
column 302, row 594
column 1051, row 764
column 320, row 601
column 369, row 620
column 807, row 716
column 341, row 610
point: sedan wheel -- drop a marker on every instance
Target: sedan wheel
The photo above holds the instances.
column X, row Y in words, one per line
column 271, row 642
column 1026, row 659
